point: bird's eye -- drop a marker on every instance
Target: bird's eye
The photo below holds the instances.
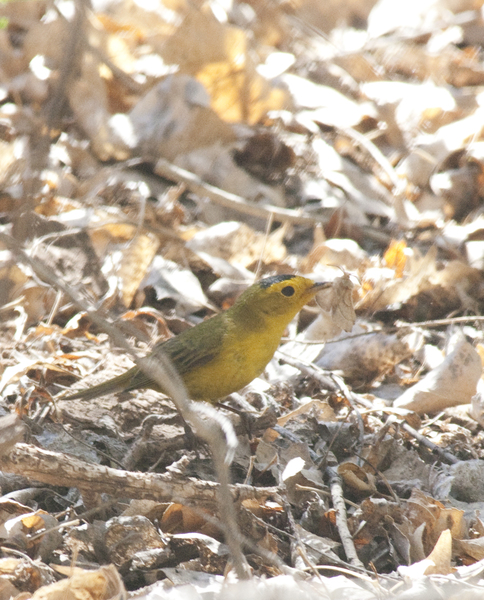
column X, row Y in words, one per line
column 288, row 290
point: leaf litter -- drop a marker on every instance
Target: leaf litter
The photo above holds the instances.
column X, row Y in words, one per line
column 158, row 160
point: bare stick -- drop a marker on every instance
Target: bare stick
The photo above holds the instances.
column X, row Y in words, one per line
column 341, row 520
column 56, row 468
column 196, row 185
column 444, row 455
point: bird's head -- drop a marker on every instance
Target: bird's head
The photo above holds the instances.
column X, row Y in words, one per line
column 280, row 297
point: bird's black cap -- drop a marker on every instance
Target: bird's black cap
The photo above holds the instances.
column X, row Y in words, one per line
column 268, row 281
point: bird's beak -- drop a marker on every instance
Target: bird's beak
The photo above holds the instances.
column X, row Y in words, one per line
column 318, row 286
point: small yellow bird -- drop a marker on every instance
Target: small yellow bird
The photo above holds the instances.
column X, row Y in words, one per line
column 223, row 354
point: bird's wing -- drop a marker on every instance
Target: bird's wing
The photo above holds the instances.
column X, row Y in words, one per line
column 191, row 349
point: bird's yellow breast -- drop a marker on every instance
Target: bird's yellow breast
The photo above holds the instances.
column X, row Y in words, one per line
column 243, row 356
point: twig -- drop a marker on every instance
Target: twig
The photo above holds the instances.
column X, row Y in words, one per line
column 337, row 496
column 439, row 322
column 56, row 468
column 450, row 458
column 398, row 326
column 324, row 378
column 196, row 185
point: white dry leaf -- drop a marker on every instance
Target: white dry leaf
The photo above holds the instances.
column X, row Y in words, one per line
column 413, row 104
column 430, row 150
column 455, row 234
column 319, row 550
column 239, row 244
column 476, row 410
column 337, row 314
column 298, row 471
column 215, row 165
column 475, row 254
column 429, row 357
column 343, row 253
column 169, row 280
column 229, row 273
column 338, row 301
column 365, row 192
column 453, row 382
column 193, row 585
column 328, row 105
column 414, row 16
column 276, row 64
column 293, row 468
column 369, row 355
column 80, row 218
column 175, row 118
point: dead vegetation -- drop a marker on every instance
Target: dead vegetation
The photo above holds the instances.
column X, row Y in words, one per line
column 155, row 161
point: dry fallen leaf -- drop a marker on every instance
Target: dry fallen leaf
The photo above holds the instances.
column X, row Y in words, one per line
column 338, row 300
column 103, row 584
column 453, row 382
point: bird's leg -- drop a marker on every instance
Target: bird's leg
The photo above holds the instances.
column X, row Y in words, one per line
column 193, row 442
column 246, row 419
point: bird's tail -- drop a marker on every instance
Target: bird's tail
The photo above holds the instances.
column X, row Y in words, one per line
column 121, row 383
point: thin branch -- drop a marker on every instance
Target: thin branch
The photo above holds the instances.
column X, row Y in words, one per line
column 337, row 496
column 444, row 455
column 196, row 185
